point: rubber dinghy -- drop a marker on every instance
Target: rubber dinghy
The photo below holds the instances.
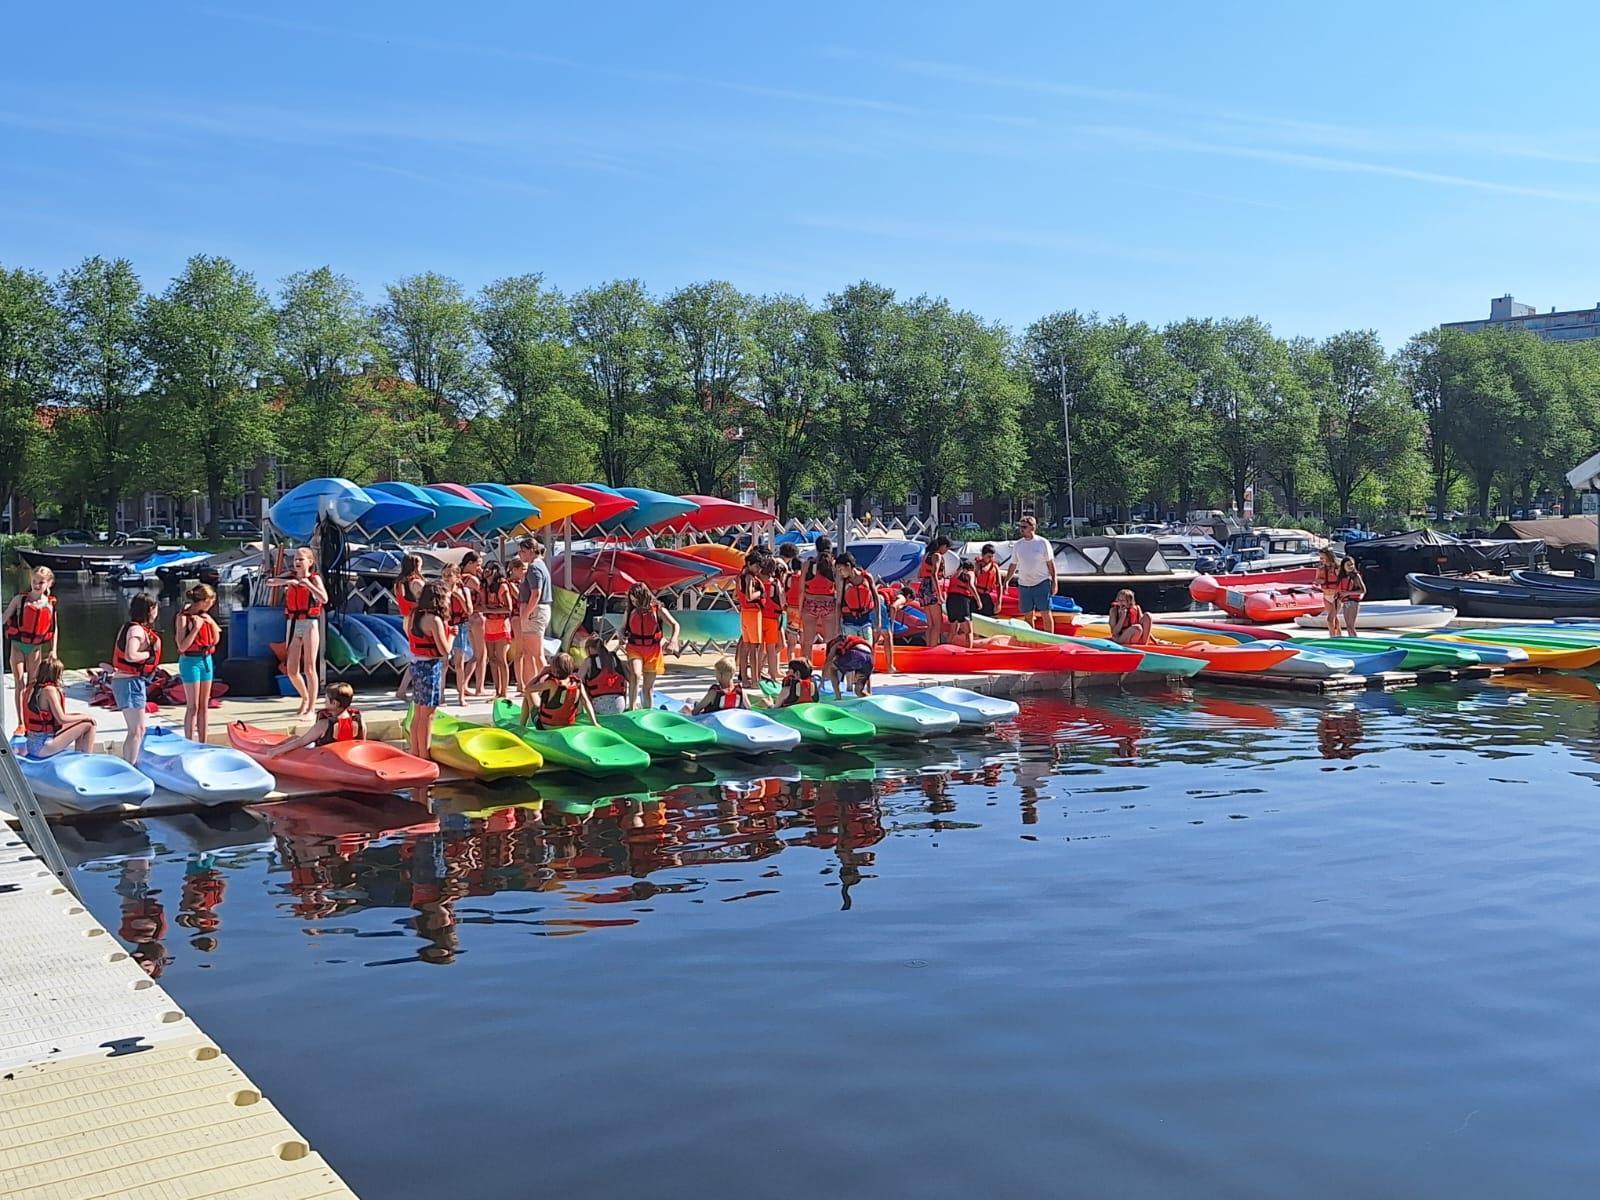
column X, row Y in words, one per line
column 587, row 749
column 892, row 713
column 747, row 732
column 661, row 734
column 824, row 724
column 970, row 708
column 209, row 774
column 359, row 766
column 71, row 782
column 481, row 751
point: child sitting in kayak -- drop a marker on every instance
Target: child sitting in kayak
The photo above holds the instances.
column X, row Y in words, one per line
column 337, row 721
column 607, row 676
column 555, row 695
column 849, row 658
column 727, row 692
column 45, row 722
column 799, row 685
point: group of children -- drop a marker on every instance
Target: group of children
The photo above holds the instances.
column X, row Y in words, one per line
column 1343, row 590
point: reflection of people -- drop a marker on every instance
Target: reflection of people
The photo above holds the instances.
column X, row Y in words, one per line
column 144, row 921
column 203, row 888
column 1339, row 733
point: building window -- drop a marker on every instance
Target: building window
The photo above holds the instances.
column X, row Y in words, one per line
column 964, row 518
column 965, row 498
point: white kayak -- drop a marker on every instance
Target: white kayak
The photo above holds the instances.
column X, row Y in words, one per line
column 749, row 732
column 1389, row 614
column 900, row 714
column 209, row 774
column 970, row 708
column 71, row 782
column 1308, row 664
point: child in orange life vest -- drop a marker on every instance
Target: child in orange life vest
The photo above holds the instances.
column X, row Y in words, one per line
column 340, row 721
column 495, row 602
column 849, row 658
column 751, row 590
column 727, row 692
column 458, row 609
column 198, row 636
column 135, row 655
column 304, row 595
column 772, row 588
column 799, row 685
column 32, row 628
column 792, row 577
column 986, row 577
column 477, row 647
column 930, row 587
column 607, row 677
column 43, row 709
column 648, row 633
column 559, row 694
column 961, row 594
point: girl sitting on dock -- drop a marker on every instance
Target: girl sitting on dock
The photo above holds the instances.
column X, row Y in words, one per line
column 198, row 635
column 556, row 695
column 339, row 721
column 45, row 721
column 32, row 628
column 304, row 595
column 1130, row 624
column 429, row 640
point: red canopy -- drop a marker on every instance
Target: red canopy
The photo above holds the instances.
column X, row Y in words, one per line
column 607, row 504
column 713, row 513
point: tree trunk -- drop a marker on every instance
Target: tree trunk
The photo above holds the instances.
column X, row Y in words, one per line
column 1484, row 483
column 213, row 500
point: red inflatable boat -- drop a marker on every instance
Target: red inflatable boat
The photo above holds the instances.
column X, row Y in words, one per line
column 1206, row 588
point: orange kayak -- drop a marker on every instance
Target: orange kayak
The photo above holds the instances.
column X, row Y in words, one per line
column 360, row 766
column 1250, row 656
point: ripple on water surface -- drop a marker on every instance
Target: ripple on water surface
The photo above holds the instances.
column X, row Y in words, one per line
column 1176, row 943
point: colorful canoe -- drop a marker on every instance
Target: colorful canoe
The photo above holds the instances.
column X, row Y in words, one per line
column 361, row 766
column 587, row 749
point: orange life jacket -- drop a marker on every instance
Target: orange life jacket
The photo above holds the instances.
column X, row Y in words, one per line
column 348, row 726
column 771, row 600
column 932, row 565
column 850, row 642
column 422, row 644
column 860, row 598
column 987, row 577
column 37, row 715
column 205, row 640
column 559, row 709
column 119, row 652
column 818, row 584
column 33, row 624
column 298, row 602
column 608, row 680
column 752, row 592
column 403, row 598
column 961, row 585
column 642, row 627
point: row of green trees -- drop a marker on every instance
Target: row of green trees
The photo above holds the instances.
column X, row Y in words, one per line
column 106, row 390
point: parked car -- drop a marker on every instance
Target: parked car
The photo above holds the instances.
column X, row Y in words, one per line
column 152, row 533
column 238, row 527
column 77, row 536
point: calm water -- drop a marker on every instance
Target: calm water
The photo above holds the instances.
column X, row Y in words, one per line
column 1158, row 945
column 91, row 612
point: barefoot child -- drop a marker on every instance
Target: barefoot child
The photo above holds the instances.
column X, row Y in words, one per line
column 45, row 721
column 558, row 694
column 428, row 638
column 135, row 655
column 497, row 600
column 849, row 658
column 727, row 692
column 961, row 595
column 304, row 595
column 198, row 635
column 32, row 628
column 645, row 634
column 339, row 721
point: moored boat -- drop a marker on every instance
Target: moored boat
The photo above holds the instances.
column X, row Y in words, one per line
column 1483, row 598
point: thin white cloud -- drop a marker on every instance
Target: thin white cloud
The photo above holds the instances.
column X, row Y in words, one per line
column 965, row 233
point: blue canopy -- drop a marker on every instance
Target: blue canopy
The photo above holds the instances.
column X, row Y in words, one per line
column 509, row 508
column 297, row 511
column 419, row 507
column 651, row 508
column 452, row 510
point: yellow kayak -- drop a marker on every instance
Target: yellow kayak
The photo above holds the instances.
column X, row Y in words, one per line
column 1538, row 656
column 479, row 750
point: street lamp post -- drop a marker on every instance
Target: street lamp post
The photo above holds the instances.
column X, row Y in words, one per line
column 1066, row 434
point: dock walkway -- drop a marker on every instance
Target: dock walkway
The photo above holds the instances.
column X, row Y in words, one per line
column 106, row 1088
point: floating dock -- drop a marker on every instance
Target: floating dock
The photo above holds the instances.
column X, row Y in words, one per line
column 107, row 1090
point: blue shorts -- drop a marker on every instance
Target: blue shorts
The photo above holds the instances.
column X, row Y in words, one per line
column 427, row 682
column 1034, row 597
column 860, row 629
column 196, row 668
column 855, row 662
column 462, row 641
column 130, row 691
column 36, row 741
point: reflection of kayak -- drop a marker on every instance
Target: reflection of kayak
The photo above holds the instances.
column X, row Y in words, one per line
column 1575, row 686
column 748, row 732
column 360, row 766
column 479, row 750
column 75, row 782
column 661, row 734
column 899, row 714
column 1239, row 712
column 342, row 817
column 209, row 774
column 588, row 749
column 824, row 724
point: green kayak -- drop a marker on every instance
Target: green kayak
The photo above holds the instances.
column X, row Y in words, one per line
column 660, row 733
column 587, row 749
column 341, row 655
column 1418, row 657
column 823, row 724
column 1154, row 661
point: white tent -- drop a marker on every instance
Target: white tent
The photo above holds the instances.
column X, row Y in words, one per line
column 1586, row 474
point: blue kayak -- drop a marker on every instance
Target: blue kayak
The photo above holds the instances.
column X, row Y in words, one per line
column 209, row 774
column 74, row 782
column 297, row 512
column 363, row 642
column 507, row 508
column 390, row 633
column 650, row 508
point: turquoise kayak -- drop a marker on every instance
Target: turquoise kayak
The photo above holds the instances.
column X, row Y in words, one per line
column 823, row 724
column 588, row 749
column 209, row 774
column 900, row 714
column 660, row 733
column 747, row 732
column 74, row 782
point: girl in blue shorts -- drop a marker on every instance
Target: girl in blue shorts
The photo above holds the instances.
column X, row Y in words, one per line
column 198, row 635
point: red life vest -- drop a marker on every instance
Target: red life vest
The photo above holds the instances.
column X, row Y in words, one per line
column 403, row 598
column 771, row 600
column 961, row 585
column 348, row 726
column 1134, row 615
column 791, row 587
column 851, row 642
column 205, row 640
column 987, row 577
column 643, row 626
column 459, row 610
column 37, row 715
column 607, row 681
column 860, row 598
column 422, row 644
column 119, row 652
column 752, row 592
column 932, row 565
column 497, row 624
column 800, row 691
column 726, row 698
column 818, row 584
column 298, row 602
column 33, row 624
column 559, row 709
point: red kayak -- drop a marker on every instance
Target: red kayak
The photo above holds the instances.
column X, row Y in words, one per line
column 360, row 766
column 1205, row 588
column 959, row 660
column 613, row 572
column 1250, row 656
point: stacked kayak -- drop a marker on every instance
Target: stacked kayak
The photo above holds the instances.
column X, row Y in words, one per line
column 1351, row 660
column 587, row 749
column 661, row 734
column 1415, row 655
column 747, row 732
column 893, row 713
column 970, row 708
column 71, row 782
column 1543, row 650
column 479, row 750
column 341, row 654
column 360, row 766
column 363, row 642
column 387, row 633
column 209, row 774
column 823, row 724
column 1312, row 665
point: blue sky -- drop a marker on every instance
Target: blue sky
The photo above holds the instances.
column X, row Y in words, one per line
column 1386, row 166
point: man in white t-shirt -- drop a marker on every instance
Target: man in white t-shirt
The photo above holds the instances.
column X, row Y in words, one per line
column 1033, row 565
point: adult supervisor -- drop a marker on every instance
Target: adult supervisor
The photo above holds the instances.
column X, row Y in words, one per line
column 1033, row 565
column 534, row 597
